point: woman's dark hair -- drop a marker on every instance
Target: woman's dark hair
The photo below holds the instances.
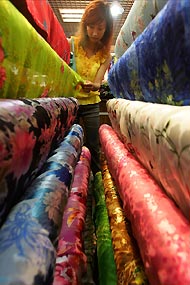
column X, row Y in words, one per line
column 96, row 12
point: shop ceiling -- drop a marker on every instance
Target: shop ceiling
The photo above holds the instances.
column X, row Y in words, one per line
column 71, row 28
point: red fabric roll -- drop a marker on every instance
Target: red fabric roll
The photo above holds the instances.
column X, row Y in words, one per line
column 161, row 230
column 42, row 18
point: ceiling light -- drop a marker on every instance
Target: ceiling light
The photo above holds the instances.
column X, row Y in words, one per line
column 71, row 15
column 116, row 9
column 71, row 11
column 72, row 20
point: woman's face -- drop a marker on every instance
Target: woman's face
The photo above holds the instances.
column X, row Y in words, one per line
column 96, row 32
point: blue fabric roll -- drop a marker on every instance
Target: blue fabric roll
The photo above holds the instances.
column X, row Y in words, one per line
column 49, row 192
column 156, row 67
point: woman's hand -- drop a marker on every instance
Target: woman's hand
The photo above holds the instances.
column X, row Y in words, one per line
column 88, row 86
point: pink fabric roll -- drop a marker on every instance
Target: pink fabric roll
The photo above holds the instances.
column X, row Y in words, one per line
column 71, row 260
column 161, row 230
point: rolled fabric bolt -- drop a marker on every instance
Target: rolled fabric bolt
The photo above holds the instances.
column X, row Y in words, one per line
column 161, row 230
column 130, row 268
column 106, row 263
column 71, row 262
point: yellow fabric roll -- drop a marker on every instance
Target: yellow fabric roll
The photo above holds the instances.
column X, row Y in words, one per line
column 130, row 269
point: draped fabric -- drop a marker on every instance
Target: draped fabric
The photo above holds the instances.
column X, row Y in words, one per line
column 157, row 135
column 140, row 15
column 71, row 261
column 43, row 19
column 105, row 255
column 33, row 225
column 130, row 269
column 161, row 230
column 29, row 67
column 156, row 67
column 29, row 131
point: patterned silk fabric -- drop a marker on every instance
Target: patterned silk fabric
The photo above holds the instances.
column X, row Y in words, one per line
column 106, row 263
column 157, row 135
column 29, row 67
column 141, row 14
column 33, row 225
column 89, row 238
column 29, row 131
column 156, row 67
column 71, row 262
column 57, row 174
column 130, row 269
column 161, row 230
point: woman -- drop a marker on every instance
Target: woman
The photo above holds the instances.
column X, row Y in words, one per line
column 92, row 57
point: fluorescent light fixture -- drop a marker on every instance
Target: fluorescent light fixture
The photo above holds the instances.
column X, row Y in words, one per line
column 72, row 20
column 71, row 15
column 71, row 11
column 116, row 9
column 67, row 16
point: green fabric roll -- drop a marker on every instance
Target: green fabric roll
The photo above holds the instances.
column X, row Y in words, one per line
column 106, row 263
column 29, row 67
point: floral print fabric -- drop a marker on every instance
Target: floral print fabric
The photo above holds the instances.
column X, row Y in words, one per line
column 89, row 237
column 71, row 261
column 161, row 230
column 29, row 131
column 141, row 14
column 33, row 225
column 48, row 193
column 157, row 135
column 29, row 67
column 156, row 67
column 130, row 268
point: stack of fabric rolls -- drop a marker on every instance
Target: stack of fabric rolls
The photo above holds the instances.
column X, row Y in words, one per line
column 29, row 234
column 154, row 217
column 29, row 130
column 71, row 261
column 147, row 145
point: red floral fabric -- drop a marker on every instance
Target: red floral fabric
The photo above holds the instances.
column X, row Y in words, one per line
column 161, row 230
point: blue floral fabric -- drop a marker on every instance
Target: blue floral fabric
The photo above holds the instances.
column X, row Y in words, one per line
column 48, row 193
column 156, row 67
